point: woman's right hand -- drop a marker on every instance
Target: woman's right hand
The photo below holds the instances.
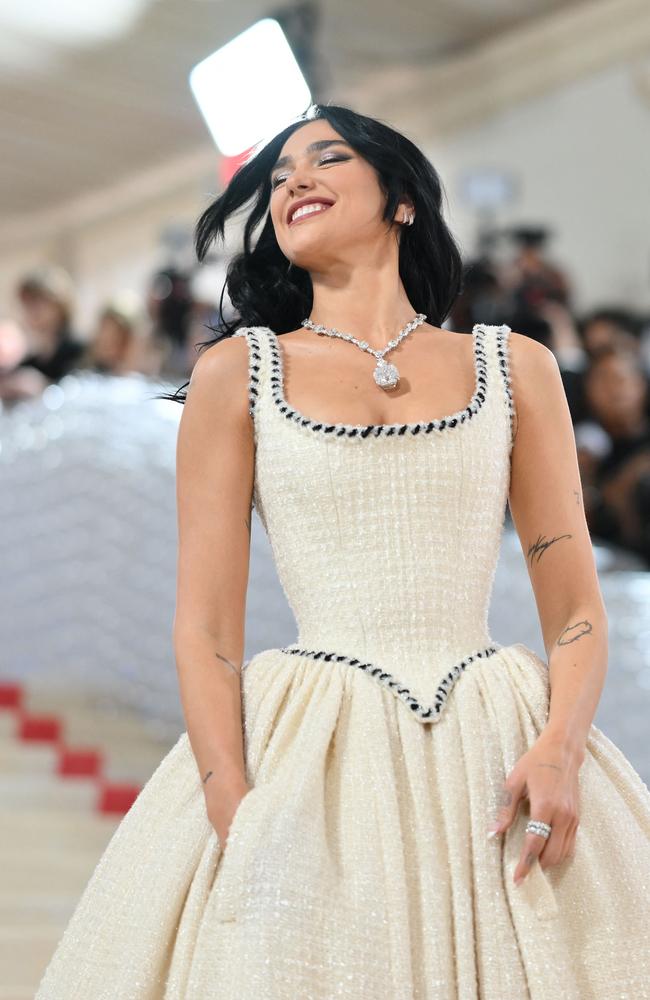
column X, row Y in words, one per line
column 222, row 802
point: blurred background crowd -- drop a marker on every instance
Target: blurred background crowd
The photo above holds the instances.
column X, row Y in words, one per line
column 603, row 353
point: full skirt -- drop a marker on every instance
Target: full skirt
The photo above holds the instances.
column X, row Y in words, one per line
column 358, row 865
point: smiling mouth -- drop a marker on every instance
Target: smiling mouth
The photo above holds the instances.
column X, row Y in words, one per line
column 312, row 213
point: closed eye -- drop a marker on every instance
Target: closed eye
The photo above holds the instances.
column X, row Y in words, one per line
column 324, row 160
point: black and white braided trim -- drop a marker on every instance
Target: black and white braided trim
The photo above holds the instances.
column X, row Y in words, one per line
column 254, row 356
column 503, row 356
column 423, row 713
column 375, row 430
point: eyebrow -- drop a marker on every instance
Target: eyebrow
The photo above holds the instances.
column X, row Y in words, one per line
column 313, row 147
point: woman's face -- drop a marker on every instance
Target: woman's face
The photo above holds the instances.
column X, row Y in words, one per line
column 317, row 163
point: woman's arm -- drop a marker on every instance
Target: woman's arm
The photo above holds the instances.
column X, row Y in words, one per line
column 548, row 514
column 546, row 506
column 214, row 477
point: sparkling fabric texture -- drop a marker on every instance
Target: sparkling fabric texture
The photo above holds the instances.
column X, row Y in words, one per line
column 358, row 865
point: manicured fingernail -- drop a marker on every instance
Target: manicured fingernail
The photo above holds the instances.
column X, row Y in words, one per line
column 494, row 829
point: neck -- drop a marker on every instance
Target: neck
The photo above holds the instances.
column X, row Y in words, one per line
column 367, row 301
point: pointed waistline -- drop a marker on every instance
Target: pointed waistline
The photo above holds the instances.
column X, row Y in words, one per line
column 423, row 713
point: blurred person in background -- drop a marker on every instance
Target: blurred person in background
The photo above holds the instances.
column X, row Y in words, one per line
column 208, row 308
column 169, row 306
column 612, row 326
column 117, row 346
column 531, row 278
column 614, row 454
column 46, row 298
column 481, row 298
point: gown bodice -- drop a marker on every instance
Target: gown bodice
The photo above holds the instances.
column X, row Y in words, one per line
column 386, row 537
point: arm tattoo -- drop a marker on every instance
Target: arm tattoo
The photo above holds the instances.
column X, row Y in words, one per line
column 583, row 628
column 207, row 776
column 228, row 662
column 540, row 546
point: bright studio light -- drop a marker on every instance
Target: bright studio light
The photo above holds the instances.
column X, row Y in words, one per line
column 250, row 88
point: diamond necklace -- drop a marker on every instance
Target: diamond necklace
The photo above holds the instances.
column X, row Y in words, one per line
column 386, row 375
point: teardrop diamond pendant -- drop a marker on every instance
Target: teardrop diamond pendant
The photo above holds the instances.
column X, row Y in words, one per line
column 386, row 375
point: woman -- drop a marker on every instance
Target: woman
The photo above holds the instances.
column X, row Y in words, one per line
column 353, row 774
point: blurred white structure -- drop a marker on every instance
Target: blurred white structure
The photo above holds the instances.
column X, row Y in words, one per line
column 250, row 88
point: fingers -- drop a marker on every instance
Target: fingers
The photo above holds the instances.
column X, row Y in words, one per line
column 534, row 844
column 551, row 851
column 559, row 852
column 513, row 791
column 562, row 818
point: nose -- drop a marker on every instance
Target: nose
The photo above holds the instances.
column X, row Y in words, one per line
column 298, row 180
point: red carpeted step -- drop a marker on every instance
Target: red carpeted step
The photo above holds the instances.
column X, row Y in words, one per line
column 40, row 727
column 75, row 762
column 117, row 798
column 11, row 695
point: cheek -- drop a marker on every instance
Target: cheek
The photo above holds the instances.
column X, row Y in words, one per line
column 275, row 213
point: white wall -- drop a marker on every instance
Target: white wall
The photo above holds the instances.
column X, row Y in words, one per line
column 582, row 158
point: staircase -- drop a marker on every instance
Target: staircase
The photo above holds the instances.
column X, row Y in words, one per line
column 69, row 771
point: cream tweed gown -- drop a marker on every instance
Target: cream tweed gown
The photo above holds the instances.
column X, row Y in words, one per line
column 377, row 743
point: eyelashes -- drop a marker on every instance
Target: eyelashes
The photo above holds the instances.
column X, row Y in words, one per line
column 329, row 159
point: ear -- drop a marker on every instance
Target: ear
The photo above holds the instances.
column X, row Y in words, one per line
column 404, row 207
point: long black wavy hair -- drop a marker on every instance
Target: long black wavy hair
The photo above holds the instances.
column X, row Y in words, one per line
column 265, row 290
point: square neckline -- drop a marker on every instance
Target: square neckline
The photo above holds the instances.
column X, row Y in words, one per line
column 341, row 429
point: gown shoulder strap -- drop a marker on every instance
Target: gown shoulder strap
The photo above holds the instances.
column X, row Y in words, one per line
column 497, row 345
column 503, row 356
column 258, row 363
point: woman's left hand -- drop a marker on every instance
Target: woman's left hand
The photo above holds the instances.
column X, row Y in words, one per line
column 547, row 775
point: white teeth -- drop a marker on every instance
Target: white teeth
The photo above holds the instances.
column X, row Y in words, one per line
column 308, row 209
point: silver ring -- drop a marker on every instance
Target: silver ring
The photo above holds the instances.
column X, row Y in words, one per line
column 537, row 826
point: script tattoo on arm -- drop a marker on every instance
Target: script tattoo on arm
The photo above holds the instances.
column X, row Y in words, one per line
column 207, row 776
column 539, row 547
column 228, row 662
column 573, row 632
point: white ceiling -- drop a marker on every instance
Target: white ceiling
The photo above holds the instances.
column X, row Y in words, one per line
column 88, row 101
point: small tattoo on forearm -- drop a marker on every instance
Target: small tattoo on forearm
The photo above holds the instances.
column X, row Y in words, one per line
column 228, row 662
column 207, row 776
column 540, row 546
column 580, row 629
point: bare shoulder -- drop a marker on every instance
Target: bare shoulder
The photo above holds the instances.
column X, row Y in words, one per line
column 219, row 379
column 221, row 361
column 536, row 381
